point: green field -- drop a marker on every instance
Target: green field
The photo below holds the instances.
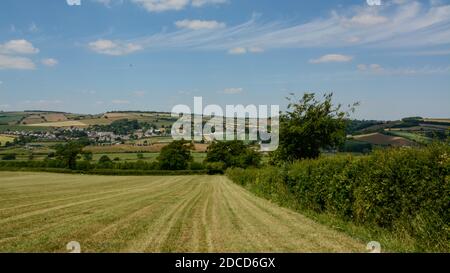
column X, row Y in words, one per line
column 4, row 139
column 411, row 136
column 198, row 157
column 42, row 212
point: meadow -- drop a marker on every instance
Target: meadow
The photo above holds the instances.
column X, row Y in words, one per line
column 41, row 212
column 4, row 139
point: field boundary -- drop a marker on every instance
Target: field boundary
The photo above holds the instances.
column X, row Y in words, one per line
column 107, row 172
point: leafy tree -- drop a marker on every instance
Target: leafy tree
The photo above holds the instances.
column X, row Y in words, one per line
column 308, row 126
column 87, row 155
column 104, row 160
column 232, row 154
column 175, row 156
column 68, row 153
column 140, row 156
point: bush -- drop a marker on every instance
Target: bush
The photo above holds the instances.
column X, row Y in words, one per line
column 196, row 166
column 215, row 167
column 403, row 190
column 232, row 154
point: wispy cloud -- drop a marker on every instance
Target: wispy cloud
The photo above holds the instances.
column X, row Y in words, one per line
column 109, row 47
column 49, row 62
column 120, row 102
column 166, row 5
column 15, row 62
column 233, row 90
column 377, row 69
column 199, row 24
column 332, row 58
column 399, row 24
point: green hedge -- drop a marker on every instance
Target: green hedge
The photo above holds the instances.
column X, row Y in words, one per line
column 404, row 190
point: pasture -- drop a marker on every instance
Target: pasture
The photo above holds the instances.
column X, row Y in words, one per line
column 42, row 212
column 5, row 138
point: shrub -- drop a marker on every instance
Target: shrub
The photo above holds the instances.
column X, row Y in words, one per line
column 403, row 190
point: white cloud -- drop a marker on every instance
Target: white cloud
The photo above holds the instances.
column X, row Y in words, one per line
column 200, row 3
column 14, row 62
column 49, row 62
column 162, row 5
column 233, row 90
column 120, row 102
column 332, row 58
column 407, row 25
column 199, row 24
column 109, row 47
column 243, row 50
column 367, row 20
column 237, row 51
column 18, row 47
column 166, row 5
column 377, row 69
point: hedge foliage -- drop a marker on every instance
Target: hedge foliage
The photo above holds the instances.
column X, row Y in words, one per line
column 404, row 190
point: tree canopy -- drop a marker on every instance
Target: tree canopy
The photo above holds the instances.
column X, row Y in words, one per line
column 310, row 125
column 232, row 154
column 175, row 156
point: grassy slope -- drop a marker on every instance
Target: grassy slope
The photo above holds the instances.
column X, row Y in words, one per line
column 43, row 212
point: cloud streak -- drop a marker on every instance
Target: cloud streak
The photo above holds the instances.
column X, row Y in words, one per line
column 407, row 24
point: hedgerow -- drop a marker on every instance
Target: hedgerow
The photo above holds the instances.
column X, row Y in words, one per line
column 403, row 190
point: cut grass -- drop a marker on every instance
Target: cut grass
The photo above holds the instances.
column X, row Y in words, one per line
column 42, row 212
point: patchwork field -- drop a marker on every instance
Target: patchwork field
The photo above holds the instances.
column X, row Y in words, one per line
column 380, row 139
column 71, row 123
column 42, row 212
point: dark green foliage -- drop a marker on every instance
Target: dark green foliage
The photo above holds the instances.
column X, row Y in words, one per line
column 87, row 155
column 308, row 126
column 120, row 127
column 354, row 126
column 9, row 157
column 232, row 154
column 175, row 156
column 353, row 146
column 68, row 153
column 215, row 167
column 104, row 160
column 406, row 191
column 195, row 166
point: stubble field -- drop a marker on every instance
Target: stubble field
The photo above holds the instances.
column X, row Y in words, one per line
column 42, row 212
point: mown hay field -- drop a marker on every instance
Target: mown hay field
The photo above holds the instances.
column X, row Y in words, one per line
column 41, row 212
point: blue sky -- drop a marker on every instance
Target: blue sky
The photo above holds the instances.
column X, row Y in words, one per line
column 105, row 55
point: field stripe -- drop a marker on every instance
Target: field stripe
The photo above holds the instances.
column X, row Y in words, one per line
column 42, row 212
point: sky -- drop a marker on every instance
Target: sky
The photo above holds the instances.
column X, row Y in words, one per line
column 92, row 56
